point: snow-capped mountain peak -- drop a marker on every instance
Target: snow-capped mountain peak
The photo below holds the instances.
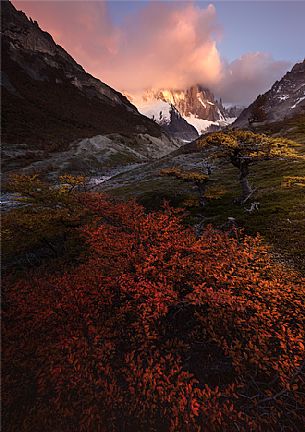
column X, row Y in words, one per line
column 195, row 100
column 196, row 105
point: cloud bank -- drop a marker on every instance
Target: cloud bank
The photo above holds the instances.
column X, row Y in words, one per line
column 248, row 76
column 160, row 45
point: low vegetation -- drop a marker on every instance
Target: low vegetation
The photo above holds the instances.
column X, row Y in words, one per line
column 280, row 213
column 46, row 222
column 199, row 179
column 135, row 321
column 292, row 128
column 155, row 330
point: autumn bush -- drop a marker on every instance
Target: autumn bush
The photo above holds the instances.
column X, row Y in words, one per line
column 197, row 178
column 155, row 330
column 45, row 222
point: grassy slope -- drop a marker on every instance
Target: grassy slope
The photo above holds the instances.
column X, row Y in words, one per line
column 281, row 217
column 293, row 128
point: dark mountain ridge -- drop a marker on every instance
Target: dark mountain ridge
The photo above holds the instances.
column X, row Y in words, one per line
column 178, row 127
column 285, row 99
column 49, row 101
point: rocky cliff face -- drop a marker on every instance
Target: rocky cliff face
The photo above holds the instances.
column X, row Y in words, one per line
column 196, row 106
column 196, row 100
column 178, row 127
column 165, row 114
column 284, row 100
column 49, row 101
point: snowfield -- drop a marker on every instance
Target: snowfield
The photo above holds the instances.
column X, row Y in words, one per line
column 157, row 110
column 202, row 125
column 298, row 101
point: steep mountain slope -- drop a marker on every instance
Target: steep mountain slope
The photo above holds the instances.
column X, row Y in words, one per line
column 196, row 105
column 232, row 111
column 285, row 99
column 178, row 127
column 49, row 101
column 195, row 100
column 166, row 115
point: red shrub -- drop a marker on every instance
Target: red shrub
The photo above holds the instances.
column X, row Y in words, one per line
column 156, row 331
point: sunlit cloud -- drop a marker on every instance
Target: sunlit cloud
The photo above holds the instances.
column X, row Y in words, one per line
column 160, row 45
column 248, row 76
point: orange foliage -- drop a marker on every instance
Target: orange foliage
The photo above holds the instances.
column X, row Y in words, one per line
column 156, row 331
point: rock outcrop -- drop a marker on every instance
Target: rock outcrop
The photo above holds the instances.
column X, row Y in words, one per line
column 284, row 100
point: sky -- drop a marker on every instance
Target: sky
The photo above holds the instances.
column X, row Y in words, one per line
column 236, row 48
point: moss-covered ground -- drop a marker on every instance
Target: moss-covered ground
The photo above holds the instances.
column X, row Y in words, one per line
column 280, row 218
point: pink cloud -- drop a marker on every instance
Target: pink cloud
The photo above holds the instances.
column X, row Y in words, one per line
column 170, row 46
column 160, row 45
column 83, row 28
column 248, row 76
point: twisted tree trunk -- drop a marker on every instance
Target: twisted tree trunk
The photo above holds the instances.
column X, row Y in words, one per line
column 243, row 179
column 202, row 199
